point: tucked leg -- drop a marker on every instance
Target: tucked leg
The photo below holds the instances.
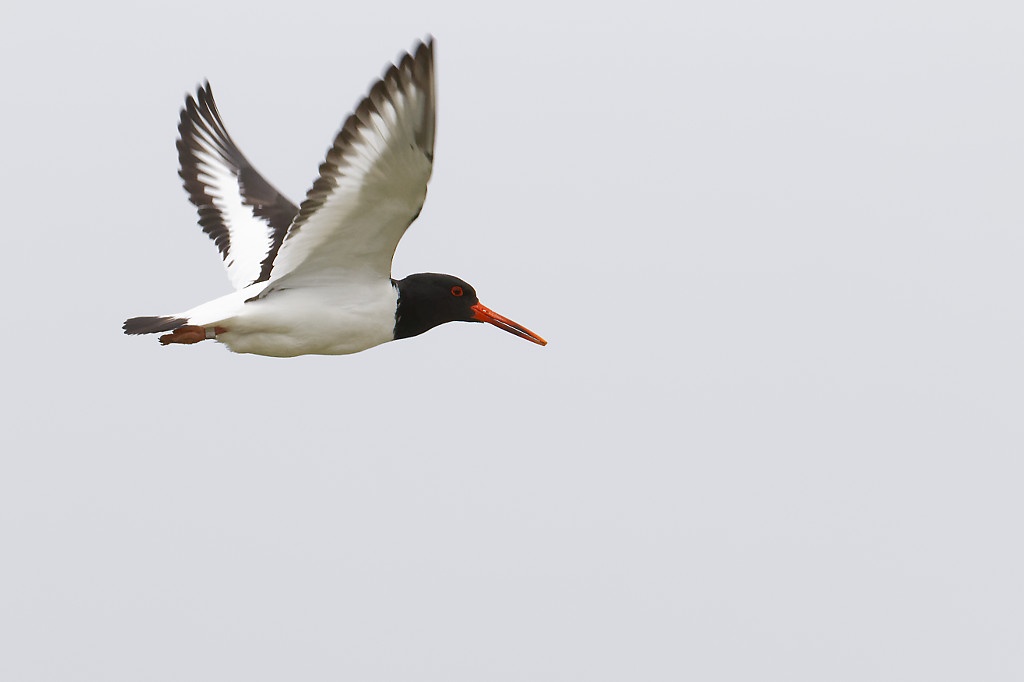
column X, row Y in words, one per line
column 191, row 333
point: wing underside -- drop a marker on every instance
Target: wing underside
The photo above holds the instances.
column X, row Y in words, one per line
column 245, row 216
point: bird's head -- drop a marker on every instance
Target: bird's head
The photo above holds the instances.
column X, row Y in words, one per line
column 427, row 299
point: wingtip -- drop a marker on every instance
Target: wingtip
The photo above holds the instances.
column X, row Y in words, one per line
column 424, row 46
column 201, row 90
column 195, row 101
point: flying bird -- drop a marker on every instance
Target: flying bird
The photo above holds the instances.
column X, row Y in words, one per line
column 316, row 279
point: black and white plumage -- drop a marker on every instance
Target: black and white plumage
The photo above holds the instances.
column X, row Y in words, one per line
column 241, row 212
column 316, row 279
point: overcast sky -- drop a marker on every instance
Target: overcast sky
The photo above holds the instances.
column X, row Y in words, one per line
column 776, row 435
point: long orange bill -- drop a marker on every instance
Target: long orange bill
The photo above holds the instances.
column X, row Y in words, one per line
column 482, row 313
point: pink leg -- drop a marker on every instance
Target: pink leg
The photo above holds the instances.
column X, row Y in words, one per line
column 190, row 333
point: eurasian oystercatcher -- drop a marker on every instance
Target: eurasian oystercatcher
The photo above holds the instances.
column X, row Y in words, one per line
column 316, row 279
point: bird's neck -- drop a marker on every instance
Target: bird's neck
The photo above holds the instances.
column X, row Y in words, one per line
column 410, row 315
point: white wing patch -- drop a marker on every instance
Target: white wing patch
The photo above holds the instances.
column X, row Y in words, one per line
column 248, row 238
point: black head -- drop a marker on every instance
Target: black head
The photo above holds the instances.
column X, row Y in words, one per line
column 427, row 299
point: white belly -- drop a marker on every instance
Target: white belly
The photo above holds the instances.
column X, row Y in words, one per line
column 305, row 320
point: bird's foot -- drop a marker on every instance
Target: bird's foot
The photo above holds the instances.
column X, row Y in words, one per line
column 191, row 333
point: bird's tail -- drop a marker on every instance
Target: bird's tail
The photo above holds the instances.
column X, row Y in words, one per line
column 153, row 325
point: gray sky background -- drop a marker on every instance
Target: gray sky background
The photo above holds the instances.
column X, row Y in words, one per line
column 776, row 249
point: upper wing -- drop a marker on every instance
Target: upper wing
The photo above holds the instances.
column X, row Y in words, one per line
column 243, row 214
column 373, row 183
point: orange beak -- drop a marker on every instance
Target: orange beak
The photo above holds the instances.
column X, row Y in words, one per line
column 482, row 313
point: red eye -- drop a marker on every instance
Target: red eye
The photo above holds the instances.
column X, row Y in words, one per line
column 456, row 291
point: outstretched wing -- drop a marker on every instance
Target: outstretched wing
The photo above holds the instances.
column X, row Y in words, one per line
column 372, row 185
column 241, row 212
